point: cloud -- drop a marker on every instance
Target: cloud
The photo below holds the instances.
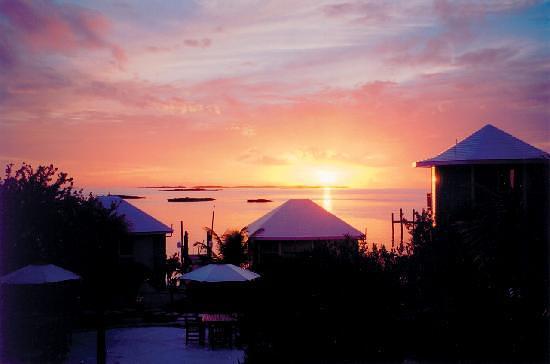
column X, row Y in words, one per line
column 350, row 84
column 46, row 26
column 435, row 51
column 487, row 57
column 256, row 157
column 7, row 49
column 455, row 11
column 198, row 43
column 367, row 12
column 244, row 130
column 317, row 154
column 156, row 49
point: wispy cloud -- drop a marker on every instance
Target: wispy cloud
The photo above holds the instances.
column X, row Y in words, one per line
column 46, row 26
column 255, row 157
column 278, row 85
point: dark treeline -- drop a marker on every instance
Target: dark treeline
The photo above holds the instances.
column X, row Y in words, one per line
column 45, row 219
column 452, row 293
column 471, row 290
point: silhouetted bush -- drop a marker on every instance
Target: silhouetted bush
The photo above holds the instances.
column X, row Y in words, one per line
column 474, row 290
column 44, row 219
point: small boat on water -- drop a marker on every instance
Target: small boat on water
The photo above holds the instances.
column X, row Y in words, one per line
column 190, row 199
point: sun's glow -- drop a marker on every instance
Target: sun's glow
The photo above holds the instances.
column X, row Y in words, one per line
column 326, row 178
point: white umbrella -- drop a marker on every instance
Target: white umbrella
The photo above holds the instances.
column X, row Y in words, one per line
column 38, row 274
column 220, row 273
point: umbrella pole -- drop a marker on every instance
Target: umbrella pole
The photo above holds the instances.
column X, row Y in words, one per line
column 101, row 355
column 100, row 307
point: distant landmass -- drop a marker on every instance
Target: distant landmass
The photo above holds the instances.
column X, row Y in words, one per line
column 259, row 200
column 190, row 199
column 218, row 187
column 161, row 187
column 188, row 189
column 129, row 197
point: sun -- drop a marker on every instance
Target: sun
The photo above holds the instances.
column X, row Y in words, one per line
column 326, row 178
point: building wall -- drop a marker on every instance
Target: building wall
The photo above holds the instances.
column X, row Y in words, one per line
column 514, row 199
column 261, row 251
column 460, row 190
column 149, row 250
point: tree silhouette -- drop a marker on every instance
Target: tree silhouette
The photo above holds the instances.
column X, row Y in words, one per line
column 232, row 246
column 44, row 219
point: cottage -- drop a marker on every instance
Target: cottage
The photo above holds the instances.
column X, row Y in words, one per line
column 486, row 166
column 147, row 243
column 297, row 226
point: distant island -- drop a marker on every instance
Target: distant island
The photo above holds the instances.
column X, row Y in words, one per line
column 129, row 197
column 190, row 199
column 188, row 189
column 217, row 187
column 161, row 187
column 259, row 200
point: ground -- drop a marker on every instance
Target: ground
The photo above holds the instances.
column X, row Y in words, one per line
column 148, row 345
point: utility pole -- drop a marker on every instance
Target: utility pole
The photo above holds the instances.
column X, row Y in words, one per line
column 209, row 237
column 182, row 249
column 212, row 226
column 401, row 223
column 209, row 244
column 392, row 230
column 186, row 261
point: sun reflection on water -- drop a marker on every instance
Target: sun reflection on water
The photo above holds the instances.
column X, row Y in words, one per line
column 327, row 199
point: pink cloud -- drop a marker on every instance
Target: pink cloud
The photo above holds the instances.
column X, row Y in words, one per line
column 362, row 12
column 7, row 49
column 414, row 51
column 50, row 27
column 487, row 56
column 256, row 157
column 454, row 10
column 289, row 101
column 198, row 43
column 157, row 49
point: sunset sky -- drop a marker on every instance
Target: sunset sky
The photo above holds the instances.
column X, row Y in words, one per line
column 127, row 93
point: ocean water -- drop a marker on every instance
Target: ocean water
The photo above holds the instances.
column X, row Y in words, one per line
column 366, row 209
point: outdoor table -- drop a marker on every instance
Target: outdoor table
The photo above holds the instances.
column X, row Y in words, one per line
column 220, row 328
column 217, row 317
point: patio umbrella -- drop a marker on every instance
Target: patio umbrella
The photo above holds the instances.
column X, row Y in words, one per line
column 220, row 273
column 39, row 274
column 39, row 308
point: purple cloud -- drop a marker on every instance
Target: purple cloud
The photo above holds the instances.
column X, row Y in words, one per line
column 198, row 43
column 45, row 26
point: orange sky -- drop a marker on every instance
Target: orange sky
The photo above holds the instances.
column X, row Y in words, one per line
column 282, row 92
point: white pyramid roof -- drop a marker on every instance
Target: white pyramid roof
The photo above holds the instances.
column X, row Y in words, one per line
column 138, row 221
column 487, row 145
column 220, row 273
column 39, row 274
column 301, row 220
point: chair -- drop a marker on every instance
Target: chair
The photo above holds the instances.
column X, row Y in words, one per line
column 194, row 329
column 220, row 334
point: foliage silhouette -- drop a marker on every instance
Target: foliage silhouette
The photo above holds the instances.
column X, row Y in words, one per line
column 233, row 247
column 44, row 219
column 474, row 290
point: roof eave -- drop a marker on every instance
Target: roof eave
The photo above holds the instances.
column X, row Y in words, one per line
column 307, row 238
column 423, row 164
column 163, row 232
column 436, row 163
